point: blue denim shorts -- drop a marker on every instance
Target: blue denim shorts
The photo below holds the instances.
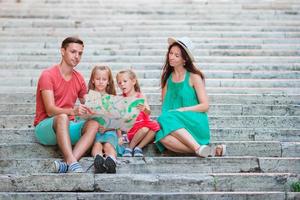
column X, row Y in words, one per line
column 45, row 133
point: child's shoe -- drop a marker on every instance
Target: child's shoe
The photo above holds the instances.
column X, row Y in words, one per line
column 75, row 167
column 110, row 165
column 127, row 152
column 60, row 166
column 99, row 164
column 138, row 152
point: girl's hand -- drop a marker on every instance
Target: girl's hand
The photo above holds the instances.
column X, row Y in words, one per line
column 101, row 129
column 141, row 107
column 120, row 141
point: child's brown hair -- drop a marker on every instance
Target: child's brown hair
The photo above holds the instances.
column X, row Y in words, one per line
column 110, row 88
column 132, row 76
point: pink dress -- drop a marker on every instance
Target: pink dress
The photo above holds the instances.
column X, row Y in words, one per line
column 142, row 120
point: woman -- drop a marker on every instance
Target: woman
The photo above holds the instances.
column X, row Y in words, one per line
column 184, row 122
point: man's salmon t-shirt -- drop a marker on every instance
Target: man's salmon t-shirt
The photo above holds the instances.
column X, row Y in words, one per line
column 65, row 92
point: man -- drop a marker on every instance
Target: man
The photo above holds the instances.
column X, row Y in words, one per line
column 57, row 91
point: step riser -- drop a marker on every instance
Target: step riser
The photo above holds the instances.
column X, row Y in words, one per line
column 284, row 135
column 260, row 149
column 292, row 110
column 155, row 165
column 145, row 196
column 145, row 183
column 26, row 121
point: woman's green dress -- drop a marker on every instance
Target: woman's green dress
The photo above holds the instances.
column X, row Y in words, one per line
column 181, row 94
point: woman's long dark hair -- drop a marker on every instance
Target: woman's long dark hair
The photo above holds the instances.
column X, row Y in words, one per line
column 189, row 66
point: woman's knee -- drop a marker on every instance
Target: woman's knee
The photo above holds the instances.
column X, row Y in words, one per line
column 166, row 140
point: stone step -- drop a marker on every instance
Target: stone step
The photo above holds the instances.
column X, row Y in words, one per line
column 11, row 53
column 101, row 32
column 162, row 165
column 42, row 48
column 156, row 73
column 246, row 25
column 48, row 41
column 158, row 59
column 282, row 91
column 234, row 148
column 279, row 66
column 154, row 98
column 222, row 121
column 147, row 182
column 10, row 136
column 159, row 14
column 149, row 195
column 214, row 109
column 155, row 82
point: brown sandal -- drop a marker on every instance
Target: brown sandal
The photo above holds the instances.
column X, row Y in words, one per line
column 220, row 150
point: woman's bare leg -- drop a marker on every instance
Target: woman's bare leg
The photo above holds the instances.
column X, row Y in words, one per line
column 173, row 144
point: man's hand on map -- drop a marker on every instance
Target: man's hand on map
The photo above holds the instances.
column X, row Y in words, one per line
column 82, row 109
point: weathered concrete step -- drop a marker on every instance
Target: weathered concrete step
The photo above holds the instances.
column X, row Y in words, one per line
column 281, row 91
column 147, row 182
column 157, row 59
column 122, row 25
column 245, row 99
column 11, row 136
column 133, row 13
column 148, row 195
column 155, row 82
column 253, row 121
column 156, row 73
column 161, row 165
column 48, row 41
column 43, row 48
column 214, row 109
column 84, row 65
column 149, row 52
column 234, row 148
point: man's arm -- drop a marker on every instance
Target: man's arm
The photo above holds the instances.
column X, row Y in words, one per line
column 51, row 108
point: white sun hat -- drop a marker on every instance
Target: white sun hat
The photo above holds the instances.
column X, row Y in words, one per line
column 185, row 43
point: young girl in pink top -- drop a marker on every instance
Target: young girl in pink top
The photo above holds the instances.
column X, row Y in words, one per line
column 144, row 129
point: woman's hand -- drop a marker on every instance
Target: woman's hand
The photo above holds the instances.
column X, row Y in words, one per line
column 182, row 109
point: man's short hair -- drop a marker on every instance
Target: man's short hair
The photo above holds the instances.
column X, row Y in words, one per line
column 69, row 40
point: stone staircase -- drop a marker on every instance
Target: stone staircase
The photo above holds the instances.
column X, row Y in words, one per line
column 249, row 52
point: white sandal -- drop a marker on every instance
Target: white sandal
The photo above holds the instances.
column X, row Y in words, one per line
column 203, row 151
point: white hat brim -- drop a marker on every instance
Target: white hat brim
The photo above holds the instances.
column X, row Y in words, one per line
column 172, row 40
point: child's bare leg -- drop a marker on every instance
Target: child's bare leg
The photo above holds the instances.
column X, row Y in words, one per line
column 147, row 139
column 140, row 134
column 97, row 149
column 109, row 150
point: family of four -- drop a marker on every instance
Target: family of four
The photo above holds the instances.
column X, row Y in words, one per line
column 182, row 127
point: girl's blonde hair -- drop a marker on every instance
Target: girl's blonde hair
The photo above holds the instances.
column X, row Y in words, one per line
column 132, row 76
column 110, row 88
